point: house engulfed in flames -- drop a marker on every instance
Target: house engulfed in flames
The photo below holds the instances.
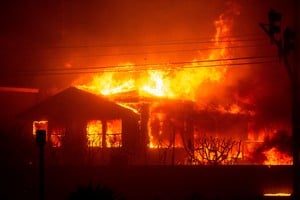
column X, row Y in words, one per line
column 163, row 113
column 84, row 128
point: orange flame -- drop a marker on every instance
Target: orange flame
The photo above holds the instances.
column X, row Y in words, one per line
column 188, row 81
column 275, row 157
column 163, row 80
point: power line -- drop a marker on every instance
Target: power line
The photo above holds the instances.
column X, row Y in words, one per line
column 154, row 64
column 223, row 39
column 160, row 52
column 155, row 44
column 144, row 68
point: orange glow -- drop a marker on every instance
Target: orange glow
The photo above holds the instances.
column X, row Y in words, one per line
column 280, row 194
column 275, row 157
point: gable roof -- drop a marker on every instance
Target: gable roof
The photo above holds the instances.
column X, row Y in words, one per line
column 74, row 103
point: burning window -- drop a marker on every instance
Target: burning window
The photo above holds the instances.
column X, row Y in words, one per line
column 40, row 125
column 114, row 133
column 104, row 133
column 56, row 136
column 94, row 133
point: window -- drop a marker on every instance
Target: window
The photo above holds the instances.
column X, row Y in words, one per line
column 56, row 136
column 94, row 133
column 53, row 135
column 40, row 125
column 101, row 133
column 114, row 133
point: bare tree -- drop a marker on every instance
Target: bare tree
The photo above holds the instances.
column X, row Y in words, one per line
column 215, row 151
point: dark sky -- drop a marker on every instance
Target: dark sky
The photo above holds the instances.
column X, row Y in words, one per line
column 60, row 34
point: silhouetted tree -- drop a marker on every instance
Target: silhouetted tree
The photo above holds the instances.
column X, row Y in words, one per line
column 215, row 150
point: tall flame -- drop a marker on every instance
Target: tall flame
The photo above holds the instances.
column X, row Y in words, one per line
column 183, row 80
column 177, row 80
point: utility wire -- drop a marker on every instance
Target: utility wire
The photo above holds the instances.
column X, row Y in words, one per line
column 224, row 39
column 141, row 70
column 159, row 52
column 154, row 44
column 116, row 69
column 152, row 64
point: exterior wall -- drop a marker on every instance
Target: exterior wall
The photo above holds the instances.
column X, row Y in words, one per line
column 75, row 151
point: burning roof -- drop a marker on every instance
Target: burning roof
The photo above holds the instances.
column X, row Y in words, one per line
column 75, row 103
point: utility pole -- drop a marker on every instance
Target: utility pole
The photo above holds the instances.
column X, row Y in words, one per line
column 286, row 47
column 41, row 141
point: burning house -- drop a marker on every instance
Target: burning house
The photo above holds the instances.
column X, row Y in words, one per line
column 127, row 129
column 84, row 128
column 201, row 111
column 136, row 131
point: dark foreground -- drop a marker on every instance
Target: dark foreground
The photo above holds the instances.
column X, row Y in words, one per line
column 151, row 182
